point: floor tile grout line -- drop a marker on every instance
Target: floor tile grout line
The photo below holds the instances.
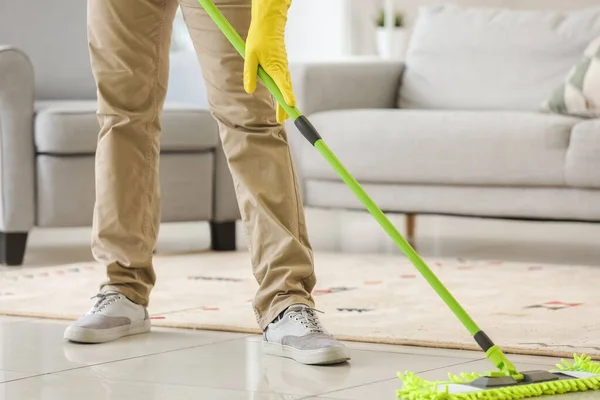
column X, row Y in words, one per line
column 389, row 379
column 37, row 375
column 451, row 365
column 118, row 360
column 33, row 375
column 157, row 383
column 150, row 382
column 164, row 383
column 353, row 387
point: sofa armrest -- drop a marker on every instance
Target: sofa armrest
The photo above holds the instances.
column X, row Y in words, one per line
column 17, row 152
column 326, row 86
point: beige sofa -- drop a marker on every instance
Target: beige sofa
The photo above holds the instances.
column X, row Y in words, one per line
column 48, row 133
column 459, row 128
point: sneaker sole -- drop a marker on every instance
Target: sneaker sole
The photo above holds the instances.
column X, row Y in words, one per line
column 327, row 356
column 84, row 335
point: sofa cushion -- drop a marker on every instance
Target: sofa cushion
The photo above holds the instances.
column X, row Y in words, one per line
column 583, row 156
column 485, row 58
column 443, row 147
column 64, row 127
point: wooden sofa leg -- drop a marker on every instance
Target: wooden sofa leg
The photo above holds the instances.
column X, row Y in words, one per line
column 222, row 236
column 411, row 220
column 12, row 248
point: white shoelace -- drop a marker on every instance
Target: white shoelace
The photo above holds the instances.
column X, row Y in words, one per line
column 104, row 299
column 308, row 317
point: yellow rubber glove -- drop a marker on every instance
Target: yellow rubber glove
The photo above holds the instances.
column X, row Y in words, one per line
column 265, row 45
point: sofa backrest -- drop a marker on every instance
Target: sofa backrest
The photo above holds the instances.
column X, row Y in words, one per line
column 487, row 58
column 53, row 34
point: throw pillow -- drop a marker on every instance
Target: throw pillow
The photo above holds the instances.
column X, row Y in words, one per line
column 580, row 94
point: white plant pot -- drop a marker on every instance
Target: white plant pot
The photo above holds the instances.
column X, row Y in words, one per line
column 393, row 47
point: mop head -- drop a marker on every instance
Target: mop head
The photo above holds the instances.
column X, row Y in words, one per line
column 581, row 375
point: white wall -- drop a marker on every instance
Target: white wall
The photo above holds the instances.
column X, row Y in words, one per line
column 318, row 30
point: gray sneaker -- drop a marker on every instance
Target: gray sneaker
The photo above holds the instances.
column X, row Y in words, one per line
column 299, row 335
column 112, row 317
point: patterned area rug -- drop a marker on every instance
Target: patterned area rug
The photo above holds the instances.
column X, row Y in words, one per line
column 525, row 308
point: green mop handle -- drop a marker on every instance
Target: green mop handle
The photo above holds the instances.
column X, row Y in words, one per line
column 311, row 134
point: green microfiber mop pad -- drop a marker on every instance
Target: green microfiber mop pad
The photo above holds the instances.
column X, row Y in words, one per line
column 457, row 388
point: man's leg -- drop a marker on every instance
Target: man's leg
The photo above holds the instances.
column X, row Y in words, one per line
column 129, row 48
column 263, row 173
column 260, row 162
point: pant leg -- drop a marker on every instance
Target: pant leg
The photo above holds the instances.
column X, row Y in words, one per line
column 259, row 159
column 129, row 49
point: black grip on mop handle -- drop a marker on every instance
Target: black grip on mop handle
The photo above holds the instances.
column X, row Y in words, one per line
column 483, row 340
column 307, row 129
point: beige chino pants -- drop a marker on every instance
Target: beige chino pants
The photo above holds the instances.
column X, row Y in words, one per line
column 129, row 49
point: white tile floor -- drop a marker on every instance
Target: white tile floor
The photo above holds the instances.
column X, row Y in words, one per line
column 35, row 363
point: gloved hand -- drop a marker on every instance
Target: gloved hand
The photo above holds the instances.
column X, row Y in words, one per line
column 265, row 45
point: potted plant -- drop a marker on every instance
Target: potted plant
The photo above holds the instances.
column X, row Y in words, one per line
column 391, row 43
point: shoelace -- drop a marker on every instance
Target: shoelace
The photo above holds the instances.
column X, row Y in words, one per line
column 308, row 317
column 104, row 299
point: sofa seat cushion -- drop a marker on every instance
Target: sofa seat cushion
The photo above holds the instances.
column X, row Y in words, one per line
column 443, row 147
column 583, row 156
column 71, row 127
